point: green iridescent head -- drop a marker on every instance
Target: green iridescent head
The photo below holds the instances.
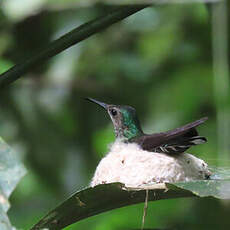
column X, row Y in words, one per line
column 124, row 118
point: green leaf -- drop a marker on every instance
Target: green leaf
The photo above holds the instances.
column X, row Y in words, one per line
column 101, row 198
column 218, row 187
column 210, row 188
column 11, row 171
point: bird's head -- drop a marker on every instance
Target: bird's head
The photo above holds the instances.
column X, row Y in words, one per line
column 124, row 118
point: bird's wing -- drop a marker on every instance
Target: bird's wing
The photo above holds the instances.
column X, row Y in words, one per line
column 173, row 141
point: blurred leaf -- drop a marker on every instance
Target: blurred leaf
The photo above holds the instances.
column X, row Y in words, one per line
column 11, row 171
column 4, row 65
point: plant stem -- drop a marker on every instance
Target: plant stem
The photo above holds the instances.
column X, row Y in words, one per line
column 73, row 37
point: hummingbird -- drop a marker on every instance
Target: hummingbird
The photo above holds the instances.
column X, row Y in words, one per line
column 128, row 129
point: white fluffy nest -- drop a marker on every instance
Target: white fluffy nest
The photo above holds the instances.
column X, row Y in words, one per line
column 129, row 164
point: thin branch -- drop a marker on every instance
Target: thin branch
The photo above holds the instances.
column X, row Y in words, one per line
column 73, row 37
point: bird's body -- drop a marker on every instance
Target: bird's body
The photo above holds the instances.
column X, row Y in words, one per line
column 127, row 129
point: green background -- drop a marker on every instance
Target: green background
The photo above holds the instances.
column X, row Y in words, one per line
column 159, row 61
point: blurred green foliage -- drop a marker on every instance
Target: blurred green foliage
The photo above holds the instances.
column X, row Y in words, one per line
column 158, row 60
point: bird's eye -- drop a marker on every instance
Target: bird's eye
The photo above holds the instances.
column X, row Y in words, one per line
column 113, row 112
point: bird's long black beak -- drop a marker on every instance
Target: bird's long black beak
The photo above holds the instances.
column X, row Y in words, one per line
column 102, row 104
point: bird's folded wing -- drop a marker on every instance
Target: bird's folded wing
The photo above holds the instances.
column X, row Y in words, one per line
column 173, row 141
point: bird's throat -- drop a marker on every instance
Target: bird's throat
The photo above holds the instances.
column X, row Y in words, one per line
column 126, row 134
